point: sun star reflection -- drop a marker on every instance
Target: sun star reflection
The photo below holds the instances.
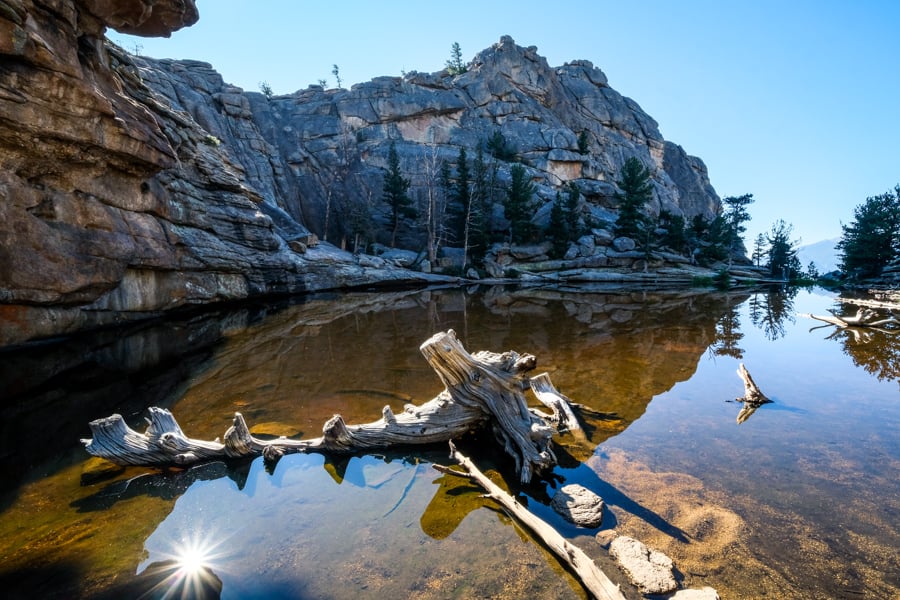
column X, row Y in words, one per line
column 192, row 558
column 188, row 569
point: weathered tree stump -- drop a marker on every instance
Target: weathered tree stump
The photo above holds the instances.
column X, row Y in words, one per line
column 753, row 398
column 480, row 389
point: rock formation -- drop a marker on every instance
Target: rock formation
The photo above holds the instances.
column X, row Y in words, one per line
column 131, row 186
column 114, row 203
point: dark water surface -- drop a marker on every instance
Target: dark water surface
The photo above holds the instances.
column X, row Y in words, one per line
column 801, row 500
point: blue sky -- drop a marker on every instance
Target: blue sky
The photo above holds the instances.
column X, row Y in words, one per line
column 794, row 101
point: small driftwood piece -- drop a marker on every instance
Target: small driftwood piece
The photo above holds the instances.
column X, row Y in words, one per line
column 484, row 388
column 753, row 398
column 590, row 575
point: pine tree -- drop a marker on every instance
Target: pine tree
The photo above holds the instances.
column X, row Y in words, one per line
column 812, row 271
column 715, row 241
column 636, row 192
column 456, row 66
column 558, row 230
column 571, row 211
column 517, row 205
column 759, row 249
column 583, row 142
column 500, row 148
column 872, row 240
column 736, row 215
column 395, row 193
column 482, row 206
column 675, row 237
column 460, row 198
column 782, row 255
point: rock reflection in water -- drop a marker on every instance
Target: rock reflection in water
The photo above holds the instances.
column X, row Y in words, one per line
column 292, row 367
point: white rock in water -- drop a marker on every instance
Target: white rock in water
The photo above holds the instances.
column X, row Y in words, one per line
column 706, row 593
column 579, row 505
column 650, row 570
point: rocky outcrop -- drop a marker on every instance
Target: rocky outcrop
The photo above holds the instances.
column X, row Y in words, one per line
column 118, row 204
column 328, row 148
column 132, row 186
column 150, row 18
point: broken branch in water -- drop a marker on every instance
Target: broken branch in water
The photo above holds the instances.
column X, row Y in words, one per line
column 753, row 398
column 587, row 571
column 484, row 388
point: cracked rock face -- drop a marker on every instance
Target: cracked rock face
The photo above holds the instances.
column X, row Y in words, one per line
column 565, row 124
column 114, row 203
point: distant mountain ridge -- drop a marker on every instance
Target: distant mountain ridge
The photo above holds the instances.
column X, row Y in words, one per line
column 822, row 253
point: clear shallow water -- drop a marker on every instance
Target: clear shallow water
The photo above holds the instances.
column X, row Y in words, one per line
column 799, row 501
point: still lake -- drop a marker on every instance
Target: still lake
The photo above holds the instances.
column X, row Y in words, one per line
column 800, row 501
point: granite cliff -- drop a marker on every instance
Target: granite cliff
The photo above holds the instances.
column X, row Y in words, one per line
column 130, row 186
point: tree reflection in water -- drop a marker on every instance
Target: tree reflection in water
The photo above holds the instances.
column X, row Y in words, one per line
column 728, row 335
column 769, row 311
column 875, row 349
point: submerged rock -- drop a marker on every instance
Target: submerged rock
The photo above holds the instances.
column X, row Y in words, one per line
column 706, row 593
column 579, row 505
column 650, row 570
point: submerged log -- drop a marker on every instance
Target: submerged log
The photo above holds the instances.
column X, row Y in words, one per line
column 480, row 389
column 587, row 571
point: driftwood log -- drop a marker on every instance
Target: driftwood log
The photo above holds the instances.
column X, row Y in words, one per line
column 864, row 317
column 484, row 389
column 587, row 571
